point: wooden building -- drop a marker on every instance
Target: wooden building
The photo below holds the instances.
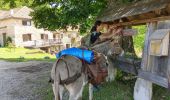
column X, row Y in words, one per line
column 155, row 64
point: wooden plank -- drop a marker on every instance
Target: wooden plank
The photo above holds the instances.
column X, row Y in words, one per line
column 154, row 78
column 139, row 22
column 163, row 68
column 127, row 65
column 145, row 65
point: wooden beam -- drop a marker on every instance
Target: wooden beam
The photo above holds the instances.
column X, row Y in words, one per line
column 154, row 78
column 3, row 27
column 138, row 22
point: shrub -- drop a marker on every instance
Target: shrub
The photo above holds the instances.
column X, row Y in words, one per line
column 8, row 41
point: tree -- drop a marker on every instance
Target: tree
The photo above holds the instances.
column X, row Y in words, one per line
column 8, row 4
column 59, row 14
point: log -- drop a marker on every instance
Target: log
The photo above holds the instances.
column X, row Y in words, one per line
column 140, row 22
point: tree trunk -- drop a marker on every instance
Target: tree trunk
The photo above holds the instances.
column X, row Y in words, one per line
column 127, row 44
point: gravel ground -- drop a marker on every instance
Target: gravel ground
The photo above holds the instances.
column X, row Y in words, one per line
column 24, row 80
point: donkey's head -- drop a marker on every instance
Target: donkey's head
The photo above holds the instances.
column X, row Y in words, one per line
column 101, row 59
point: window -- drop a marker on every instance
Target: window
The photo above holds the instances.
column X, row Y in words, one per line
column 4, row 38
column 26, row 37
column 44, row 36
column 54, row 36
column 26, row 22
column 68, row 45
column 61, row 35
column 69, row 35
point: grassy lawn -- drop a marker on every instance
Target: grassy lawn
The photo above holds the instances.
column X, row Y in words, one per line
column 23, row 54
column 117, row 90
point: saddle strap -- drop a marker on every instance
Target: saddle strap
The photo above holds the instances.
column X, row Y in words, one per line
column 72, row 78
column 68, row 73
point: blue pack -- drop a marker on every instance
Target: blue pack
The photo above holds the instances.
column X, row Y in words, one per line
column 86, row 55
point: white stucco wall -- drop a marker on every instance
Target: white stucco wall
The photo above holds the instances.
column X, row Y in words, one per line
column 10, row 22
column 15, row 30
column 35, row 34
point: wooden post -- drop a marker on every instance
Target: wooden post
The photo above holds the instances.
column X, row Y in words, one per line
column 166, row 25
column 143, row 88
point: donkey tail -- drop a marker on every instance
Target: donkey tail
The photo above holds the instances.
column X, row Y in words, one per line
column 56, row 83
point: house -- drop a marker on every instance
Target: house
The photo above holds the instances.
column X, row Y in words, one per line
column 17, row 24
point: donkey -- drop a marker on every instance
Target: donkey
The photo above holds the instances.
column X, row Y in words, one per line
column 70, row 73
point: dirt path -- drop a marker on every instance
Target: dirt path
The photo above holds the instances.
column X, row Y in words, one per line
column 24, row 80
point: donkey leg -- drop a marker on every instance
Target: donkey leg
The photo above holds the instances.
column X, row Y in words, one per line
column 61, row 90
column 76, row 89
column 90, row 91
column 112, row 71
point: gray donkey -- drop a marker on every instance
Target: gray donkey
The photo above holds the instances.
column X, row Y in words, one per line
column 70, row 73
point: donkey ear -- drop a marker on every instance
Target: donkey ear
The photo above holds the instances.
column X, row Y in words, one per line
column 99, row 54
column 96, row 56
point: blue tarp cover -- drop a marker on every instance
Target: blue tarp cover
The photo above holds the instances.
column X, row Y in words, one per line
column 86, row 55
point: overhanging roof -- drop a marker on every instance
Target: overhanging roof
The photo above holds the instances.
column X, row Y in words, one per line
column 23, row 12
column 112, row 13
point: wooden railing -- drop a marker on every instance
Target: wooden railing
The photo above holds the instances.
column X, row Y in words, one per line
column 42, row 43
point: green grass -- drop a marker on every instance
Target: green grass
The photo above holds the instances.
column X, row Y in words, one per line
column 117, row 90
column 23, row 54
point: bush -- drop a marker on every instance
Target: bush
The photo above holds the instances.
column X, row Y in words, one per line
column 8, row 42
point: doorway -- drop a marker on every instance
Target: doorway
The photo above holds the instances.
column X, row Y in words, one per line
column 4, row 38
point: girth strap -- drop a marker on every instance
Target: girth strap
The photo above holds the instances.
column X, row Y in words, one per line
column 66, row 66
column 69, row 79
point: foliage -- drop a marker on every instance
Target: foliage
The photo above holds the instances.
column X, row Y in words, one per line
column 8, row 42
column 7, row 4
column 65, row 13
column 139, row 39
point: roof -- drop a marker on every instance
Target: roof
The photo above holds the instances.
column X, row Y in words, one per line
column 159, row 34
column 16, row 13
column 112, row 13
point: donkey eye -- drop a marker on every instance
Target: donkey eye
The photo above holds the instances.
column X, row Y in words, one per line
column 107, row 64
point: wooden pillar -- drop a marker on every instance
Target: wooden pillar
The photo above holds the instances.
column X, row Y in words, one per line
column 143, row 88
column 166, row 25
